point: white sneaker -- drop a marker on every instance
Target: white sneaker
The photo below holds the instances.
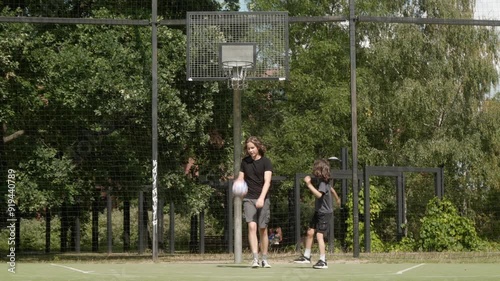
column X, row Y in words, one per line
column 321, row 265
column 255, row 263
column 302, row 259
column 265, row 264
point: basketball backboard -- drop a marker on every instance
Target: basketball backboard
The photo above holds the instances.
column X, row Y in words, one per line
column 227, row 45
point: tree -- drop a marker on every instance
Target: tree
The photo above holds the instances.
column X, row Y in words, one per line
column 423, row 89
column 308, row 117
column 85, row 8
column 91, row 86
column 12, row 80
column 421, row 93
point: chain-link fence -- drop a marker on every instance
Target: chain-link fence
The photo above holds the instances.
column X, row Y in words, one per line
column 95, row 107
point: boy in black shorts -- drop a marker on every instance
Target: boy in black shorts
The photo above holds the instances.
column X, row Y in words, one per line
column 323, row 212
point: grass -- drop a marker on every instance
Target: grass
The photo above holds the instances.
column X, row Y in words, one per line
column 222, row 267
column 461, row 266
column 282, row 257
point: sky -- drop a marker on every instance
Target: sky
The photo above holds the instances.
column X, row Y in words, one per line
column 243, row 5
column 487, row 9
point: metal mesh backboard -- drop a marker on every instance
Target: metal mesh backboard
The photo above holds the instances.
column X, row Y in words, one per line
column 207, row 31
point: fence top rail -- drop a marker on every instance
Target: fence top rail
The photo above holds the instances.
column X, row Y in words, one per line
column 440, row 21
column 336, row 174
column 50, row 20
column 398, row 169
column 296, row 19
column 377, row 170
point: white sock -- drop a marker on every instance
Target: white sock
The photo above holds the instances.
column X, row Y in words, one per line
column 307, row 253
column 322, row 257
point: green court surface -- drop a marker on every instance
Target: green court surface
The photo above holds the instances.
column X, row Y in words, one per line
column 227, row 270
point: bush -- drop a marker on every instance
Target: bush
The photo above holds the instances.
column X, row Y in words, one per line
column 32, row 235
column 407, row 244
column 32, row 232
column 443, row 229
column 117, row 231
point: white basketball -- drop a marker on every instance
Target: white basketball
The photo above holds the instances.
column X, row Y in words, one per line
column 240, row 188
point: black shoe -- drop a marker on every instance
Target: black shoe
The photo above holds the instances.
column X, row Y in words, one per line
column 302, row 259
column 320, row 265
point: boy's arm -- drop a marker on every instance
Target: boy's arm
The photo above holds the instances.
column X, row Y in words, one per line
column 337, row 199
column 267, row 183
column 265, row 188
column 311, row 187
column 241, row 176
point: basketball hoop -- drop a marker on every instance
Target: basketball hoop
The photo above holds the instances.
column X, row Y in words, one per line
column 236, row 73
column 221, row 44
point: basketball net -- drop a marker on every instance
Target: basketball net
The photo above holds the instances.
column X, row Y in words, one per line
column 236, row 72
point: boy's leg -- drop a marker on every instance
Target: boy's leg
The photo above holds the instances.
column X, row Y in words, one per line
column 321, row 245
column 321, row 264
column 264, row 241
column 310, row 234
column 306, row 257
column 264, row 215
column 310, row 238
column 264, row 244
column 323, row 226
column 250, row 212
column 322, row 230
column 309, row 242
column 252, row 238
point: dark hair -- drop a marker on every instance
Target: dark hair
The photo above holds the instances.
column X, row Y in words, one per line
column 260, row 146
column 321, row 169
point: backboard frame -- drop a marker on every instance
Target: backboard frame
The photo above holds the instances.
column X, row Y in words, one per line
column 208, row 31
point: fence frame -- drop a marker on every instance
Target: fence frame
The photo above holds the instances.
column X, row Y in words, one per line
column 352, row 18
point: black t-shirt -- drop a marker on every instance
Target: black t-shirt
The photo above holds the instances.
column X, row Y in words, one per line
column 254, row 175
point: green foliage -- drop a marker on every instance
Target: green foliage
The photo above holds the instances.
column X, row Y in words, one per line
column 46, row 181
column 444, row 229
column 83, row 93
column 407, row 244
column 80, row 96
column 32, row 235
column 308, row 117
column 188, row 196
column 33, row 232
column 377, row 245
column 422, row 97
column 117, row 230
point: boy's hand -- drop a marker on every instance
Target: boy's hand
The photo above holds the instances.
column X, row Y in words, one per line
column 307, row 179
column 260, row 203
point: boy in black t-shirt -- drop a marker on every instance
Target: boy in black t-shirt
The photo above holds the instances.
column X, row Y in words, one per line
column 256, row 170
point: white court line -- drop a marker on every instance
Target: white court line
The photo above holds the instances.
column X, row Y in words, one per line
column 71, row 268
column 413, row 267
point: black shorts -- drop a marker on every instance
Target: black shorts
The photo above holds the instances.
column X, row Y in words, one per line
column 321, row 222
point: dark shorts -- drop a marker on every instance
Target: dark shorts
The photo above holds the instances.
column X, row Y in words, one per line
column 260, row 216
column 321, row 222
